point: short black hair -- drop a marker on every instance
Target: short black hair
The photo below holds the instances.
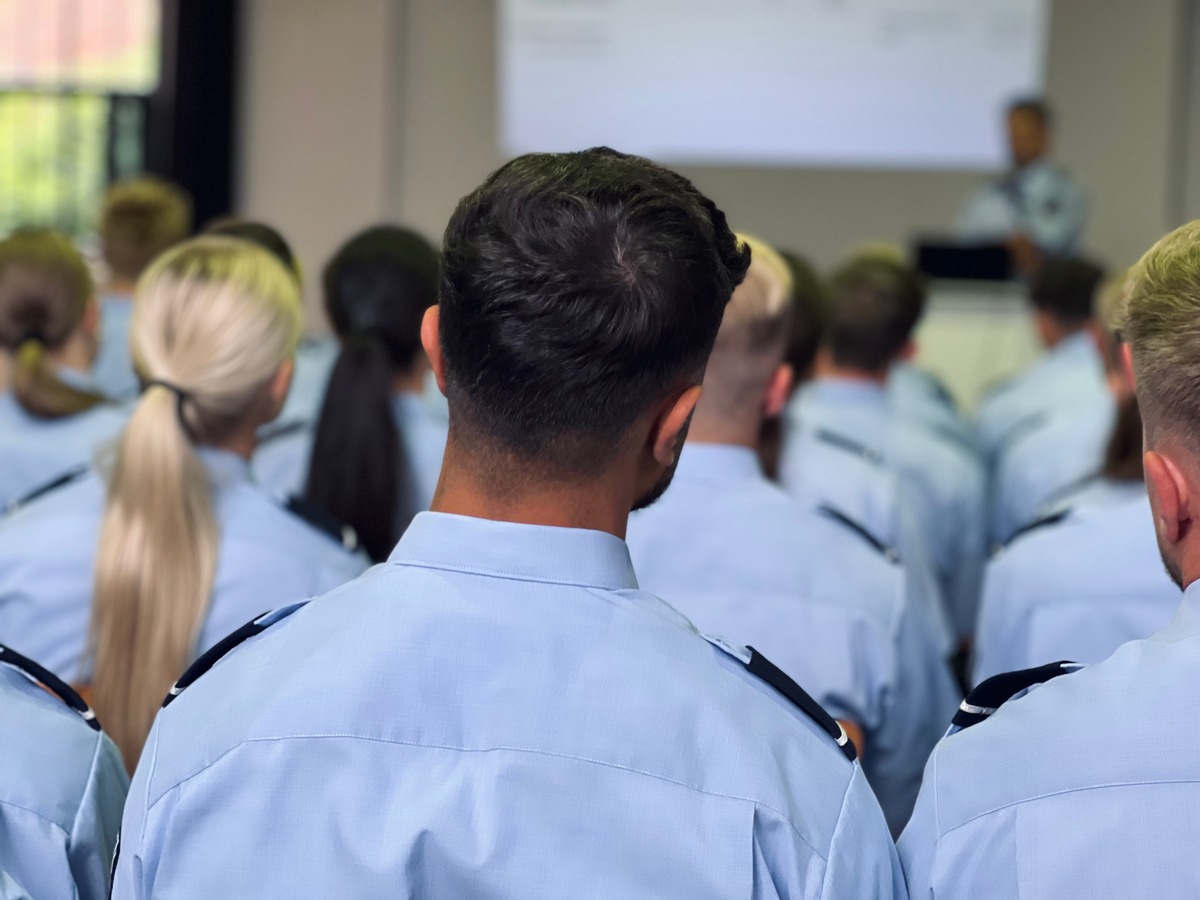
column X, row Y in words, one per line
column 266, row 236
column 1065, row 288
column 874, row 306
column 1034, row 106
column 810, row 314
column 577, row 290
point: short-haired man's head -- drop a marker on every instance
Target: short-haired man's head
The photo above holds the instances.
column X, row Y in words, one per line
column 810, row 314
column 753, row 337
column 875, row 307
column 266, row 236
column 140, row 219
column 1029, row 124
column 1161, row 323
column 1065, row 290
column 578, row 290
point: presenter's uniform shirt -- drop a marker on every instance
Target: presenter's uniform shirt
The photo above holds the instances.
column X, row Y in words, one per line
column 498, row 711
column 1039, row 200
column 266, row 557
column 1076, row 588
column 281, row 463
column 739, row 558
column 62, row 789
column 945, row 478
column 1085, row 786
column 1069, row 378
column 35, row 451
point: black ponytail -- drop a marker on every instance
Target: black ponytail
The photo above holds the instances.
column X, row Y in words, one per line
column 377, row 289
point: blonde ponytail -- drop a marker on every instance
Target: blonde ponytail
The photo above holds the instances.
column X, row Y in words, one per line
column 45, row 289
column 213, row 321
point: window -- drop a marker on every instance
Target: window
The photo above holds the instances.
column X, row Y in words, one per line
column 74, row 80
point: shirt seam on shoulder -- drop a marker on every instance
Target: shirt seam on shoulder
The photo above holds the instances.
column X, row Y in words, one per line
column 507, row 576
column 33, row 812
column 504, row 748
column 99, row 746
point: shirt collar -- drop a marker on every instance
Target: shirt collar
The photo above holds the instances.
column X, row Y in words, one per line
column 721, row 463
column 1079, row 346
column 224, row 468
column 848, row 390
column 543, row 553
column 408, row 407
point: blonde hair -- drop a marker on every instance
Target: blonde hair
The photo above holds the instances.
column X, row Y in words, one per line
column 141, row 218
column 1161, row 322
column 753, row 336
column 213, row 321
column 45, row 289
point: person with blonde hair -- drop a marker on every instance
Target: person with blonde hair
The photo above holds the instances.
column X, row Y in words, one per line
column 173, row 542
column 1083, row 781
column 51, row 421
column 141, row 217
column 810, row 588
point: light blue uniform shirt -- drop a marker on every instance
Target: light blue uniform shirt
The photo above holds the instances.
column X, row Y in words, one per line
column 62, row 789
column 10, row 890
column 1039, row 200
column 1068, row 378
column 315, row 359
column 946, row 480
column 1043, row 464
column 1078, row 589
column 281, row 464
column 1086, row 786
column 821, row 468
column 35, row 451
column 741, row 559
column 511, row 717
column 918, row 397
column 112, row 371
column 266, row 557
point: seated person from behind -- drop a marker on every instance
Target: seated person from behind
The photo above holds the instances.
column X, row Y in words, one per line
column 62, row 788
column 171, row 543
column 810, row 589
column 1083, row 782
column 1068, row 378
column 511, row 716
column 373, row 457
column 51, row 421
column 140, row 219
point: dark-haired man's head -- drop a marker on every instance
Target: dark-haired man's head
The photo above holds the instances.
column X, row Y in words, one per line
column 875, row 305
column 580, row 297
column 378, row 286
column 266, row 236
column 1030, row 125
column 1063, row 293
column 810, row 301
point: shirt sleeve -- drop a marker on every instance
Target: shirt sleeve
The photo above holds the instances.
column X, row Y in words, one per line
column 863, row 863
column 129, row 872
column 98, row 822
column 919, row 844
column 987, row 216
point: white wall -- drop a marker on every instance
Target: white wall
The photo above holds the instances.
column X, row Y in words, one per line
column 364, row 109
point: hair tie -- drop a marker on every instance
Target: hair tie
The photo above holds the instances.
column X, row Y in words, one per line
column 32, row 335
column 180, row 396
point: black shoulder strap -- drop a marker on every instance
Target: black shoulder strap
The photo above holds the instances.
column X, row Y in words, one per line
column 1036, row 525
column 993, row 693
column 213, row 654
column 277, row 430
column 850, row 445
column 322, row 521
column 840, row 517
column 761, row 667
column 48, row 679
column 68, row 477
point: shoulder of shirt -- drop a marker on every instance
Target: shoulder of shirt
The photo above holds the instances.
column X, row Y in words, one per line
column 853, row 527
column 986, row 699
column 322, row 522
column 1038, row 525
column 38, row 675
column 227, row 645
column 848, row 445
column 69, row 477
column 764, row 670
column 279, row 431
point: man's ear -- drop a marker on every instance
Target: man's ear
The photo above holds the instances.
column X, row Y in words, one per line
column 1170, row 496
column 431, row 341
column 664, row 436
column 280, row 384
column 908, row 352
column 1127, row 365
column 779, row 389
column 91, row 318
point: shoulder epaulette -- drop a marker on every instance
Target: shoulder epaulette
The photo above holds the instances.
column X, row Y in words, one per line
column 850, row 445
column 213, row 654
column 68, row 477
column 765, row 670
column 52, row 682
column 277, row 430
column 841, row 518
column 323, row 522
column 1036, row 525
column 994, row 692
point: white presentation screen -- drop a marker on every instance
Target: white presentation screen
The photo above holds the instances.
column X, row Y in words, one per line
column 864, row 83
